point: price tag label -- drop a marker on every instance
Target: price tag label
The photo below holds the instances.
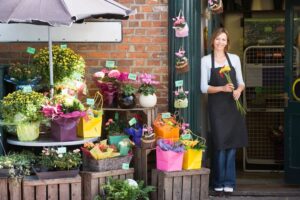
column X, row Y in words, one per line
column 179, row 83
column 166, row 115
column 132, row 76
column 116, row 116
column 110, row 64
column 26, row 88
column 132, row 121
column 61, row 150
column 30, row 50
column 90, row 101
column 63, row 46
column 125, row 165
column 186, row 136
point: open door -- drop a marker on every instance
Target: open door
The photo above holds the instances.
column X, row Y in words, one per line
column 292, row 86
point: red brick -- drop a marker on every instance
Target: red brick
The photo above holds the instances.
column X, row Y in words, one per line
column 159, row 24
column 134, row 24
column 153, row 62
column 139, row 48
column 153, row 48
column 159, row 55
column 91, row 62
column 160, row 40
column 95, row 55
column 139, row 16
column 128, row 31
column 118, row 55
column 138, row 55
column 140, row 31
column 153, row 16
column 140, row 1
column 157, row 31
column 146, row 8
column 140, row 40
column 146, row 24
column 122, row 47
column 105, row 47
column 88, row 47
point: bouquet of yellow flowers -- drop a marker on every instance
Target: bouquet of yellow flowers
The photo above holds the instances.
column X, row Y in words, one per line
column 224, row 71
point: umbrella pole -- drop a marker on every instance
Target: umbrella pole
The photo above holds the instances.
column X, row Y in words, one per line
column 50, row 63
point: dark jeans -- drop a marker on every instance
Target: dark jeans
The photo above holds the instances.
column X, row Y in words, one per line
column 224, row 168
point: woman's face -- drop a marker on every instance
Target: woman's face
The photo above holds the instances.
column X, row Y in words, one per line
column 220, row 42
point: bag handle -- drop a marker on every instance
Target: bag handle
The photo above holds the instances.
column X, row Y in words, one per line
column 180, row 14
column 201, row 140
column 98, row 101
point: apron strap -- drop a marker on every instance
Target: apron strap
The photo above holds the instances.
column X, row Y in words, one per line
column 212, row 60
column 229, row 62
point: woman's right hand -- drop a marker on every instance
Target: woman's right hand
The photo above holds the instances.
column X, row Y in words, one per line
column 229, row 87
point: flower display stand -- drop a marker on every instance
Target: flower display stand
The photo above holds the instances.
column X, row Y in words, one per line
column 92, row 181
column 143, row 161
column 66, row 188
column 185, row 184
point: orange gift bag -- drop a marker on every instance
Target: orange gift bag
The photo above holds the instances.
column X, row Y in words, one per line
column 166, row 128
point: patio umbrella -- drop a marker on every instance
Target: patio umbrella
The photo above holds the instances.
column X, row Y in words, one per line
column 59, row 13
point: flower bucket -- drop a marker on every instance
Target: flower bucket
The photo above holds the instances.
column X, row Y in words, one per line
column 168, row 160
column 192, row 159
column 88, row 128
column 28, row 132
column 165, row 130
column 115, row 139
column 181, row 103
column 148, row 101
column 64, row 129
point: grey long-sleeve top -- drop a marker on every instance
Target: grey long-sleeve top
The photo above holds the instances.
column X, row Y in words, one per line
column 206, row 67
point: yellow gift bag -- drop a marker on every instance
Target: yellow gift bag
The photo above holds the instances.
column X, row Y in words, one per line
column 192, row 159
column 91, row 125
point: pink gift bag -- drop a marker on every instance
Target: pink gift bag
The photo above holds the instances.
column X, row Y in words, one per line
column 168, row 160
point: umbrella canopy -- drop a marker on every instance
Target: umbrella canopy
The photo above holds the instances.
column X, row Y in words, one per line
column 59, row 13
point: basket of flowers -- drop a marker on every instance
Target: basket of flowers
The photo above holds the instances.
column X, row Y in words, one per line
column 181, row 64
column 181, row 100
column 101, row 157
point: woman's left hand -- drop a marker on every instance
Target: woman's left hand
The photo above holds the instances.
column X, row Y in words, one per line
column 236, row 94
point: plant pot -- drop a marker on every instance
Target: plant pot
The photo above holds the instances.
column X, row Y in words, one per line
column 64, row 129
column 56, row 174
column 126, row 102
column 181, row 103
column 148, row 101
column 4, row 173
column 115, row 139
column 28, row 131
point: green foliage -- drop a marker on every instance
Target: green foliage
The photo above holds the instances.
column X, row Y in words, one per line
column 66, row 64
column 147, row 89
column 23, row 72
column 18, row 164
column 21, row 107
column 53, row 160
column 128, row 89
column 121, row 190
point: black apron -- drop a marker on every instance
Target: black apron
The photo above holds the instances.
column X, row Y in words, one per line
column 228, row 127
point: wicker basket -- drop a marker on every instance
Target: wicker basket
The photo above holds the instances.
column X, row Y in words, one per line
column 182, row 68
column 90, row 164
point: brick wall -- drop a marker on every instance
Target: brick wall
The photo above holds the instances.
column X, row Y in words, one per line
column 144, row 47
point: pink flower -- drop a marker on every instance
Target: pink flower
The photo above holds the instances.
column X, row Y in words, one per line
column 147, row 79
column 99, row 74
column 123, row 76
column 180, row 53
column 114, row 73
column 107, row 124
column 176, row 93
column 110, row 120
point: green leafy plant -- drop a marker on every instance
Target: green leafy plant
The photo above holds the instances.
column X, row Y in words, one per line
column 21, row 107
column 128, row 90
column 18, row 164
column 114, row 127
column 66, row 64
column 124, row 190
column 147, row 84
column 52, row 159
column 22, row 72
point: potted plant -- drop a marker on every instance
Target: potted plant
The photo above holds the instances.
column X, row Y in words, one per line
column 181, row 63
column 148, row 137
column 108, row 83
column 64, row 112
column 66, row 64
column 16, row 165
column 115, row 130
column 147, row 90
column 181, row 100
column 23, row 75
column 127, row 189
column 126, row 97
column 58, row 163
column 22, row 109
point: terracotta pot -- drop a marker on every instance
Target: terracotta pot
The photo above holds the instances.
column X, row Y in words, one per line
column 148, row 101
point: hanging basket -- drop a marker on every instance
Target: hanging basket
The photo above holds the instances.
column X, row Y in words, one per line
column 216, row 6
column 180, row 25
column 181, row 103
column 182, row 67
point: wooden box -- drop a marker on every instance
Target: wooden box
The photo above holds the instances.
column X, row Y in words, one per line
column 62, row 188
column 185, row 184
column 92, row 181
column 10, row 189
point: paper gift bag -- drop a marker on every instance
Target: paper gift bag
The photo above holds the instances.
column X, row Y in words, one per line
column 168, row 160
column 192, row 159
column 166, row 128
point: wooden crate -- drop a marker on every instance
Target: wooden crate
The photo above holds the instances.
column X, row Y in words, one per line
column 181, row 185
column 92, row 181
column 63, row 188
column 10, row 189
column 142, row 165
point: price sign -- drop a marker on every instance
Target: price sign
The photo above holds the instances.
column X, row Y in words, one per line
column 132, row 76
column 26, row 88
column 132, row 121
column 90, row 101
column 63, row 46
column 179, row 83
column 166, row 115
column 30, row 50
column 125, row 165
column 62, row 150
column 110, row 64
column 186, row 136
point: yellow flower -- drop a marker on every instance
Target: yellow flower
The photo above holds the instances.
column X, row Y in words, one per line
column 224, row 69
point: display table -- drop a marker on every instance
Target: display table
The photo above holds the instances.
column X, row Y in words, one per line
column 47, row 141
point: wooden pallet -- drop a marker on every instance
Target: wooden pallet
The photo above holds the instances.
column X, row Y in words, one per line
column 92, row 181
column 62, row 188
column 179, row 185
